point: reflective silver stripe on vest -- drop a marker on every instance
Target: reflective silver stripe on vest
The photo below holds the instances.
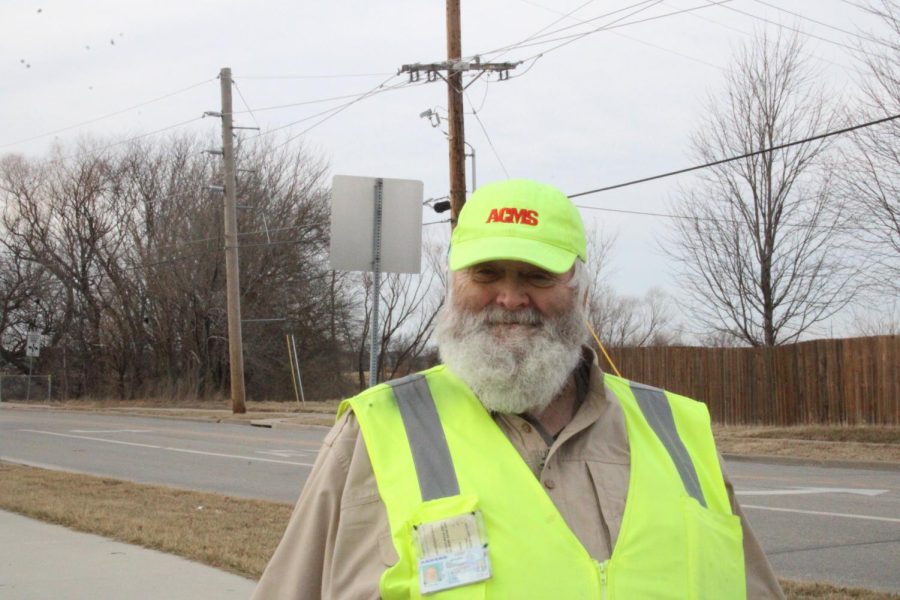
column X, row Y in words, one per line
column 658, row 412
column 431, row 455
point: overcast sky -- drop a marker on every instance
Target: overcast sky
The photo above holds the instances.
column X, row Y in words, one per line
column 605, row 108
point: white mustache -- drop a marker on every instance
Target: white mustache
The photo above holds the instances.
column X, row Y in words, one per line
column 499, row 316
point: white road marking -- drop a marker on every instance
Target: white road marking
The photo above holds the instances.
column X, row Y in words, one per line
column 286, row 453
column 811, row 490
column 170, row 449
column 822, row 513
column 110, row 431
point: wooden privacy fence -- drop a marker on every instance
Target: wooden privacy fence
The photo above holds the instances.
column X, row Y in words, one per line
column 834, row 381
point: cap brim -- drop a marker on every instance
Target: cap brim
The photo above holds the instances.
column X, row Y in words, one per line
column 472, row 252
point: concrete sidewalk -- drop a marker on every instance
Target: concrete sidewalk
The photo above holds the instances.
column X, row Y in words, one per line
column 39, row 561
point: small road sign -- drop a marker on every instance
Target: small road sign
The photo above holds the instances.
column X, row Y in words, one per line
column 33, row 344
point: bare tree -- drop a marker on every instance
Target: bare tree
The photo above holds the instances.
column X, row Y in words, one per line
column 871, row 169
column 884, row 320
column 24, row 306
column 408, row 310
column 125, row 248
column 759, row 240
column 621, row 320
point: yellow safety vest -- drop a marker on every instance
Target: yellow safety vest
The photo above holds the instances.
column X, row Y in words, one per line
column 437, row 454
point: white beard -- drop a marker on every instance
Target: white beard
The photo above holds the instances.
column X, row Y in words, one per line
column 511, row 369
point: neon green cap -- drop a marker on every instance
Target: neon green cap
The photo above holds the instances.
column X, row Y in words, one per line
column 518, row 219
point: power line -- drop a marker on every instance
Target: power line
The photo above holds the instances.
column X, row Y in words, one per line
column 534, row 60
column 668, row 50
column 546, row 27
column 338, row 76
column 748, row 34
column 811, row 20
column 183, row 244
column 742, row 156
column 566, row 40
column 487, row 135
column 794, row 29
column 484, row 97
column 617, row 24
column 302, row 103
column 219, row 238
column 108, row 115
column 275, row 243
column 505, row 49
column 713, row 219
column 336, row 111
column 96, row 151
column 244, row 101
column 632, row 38
column 855, row 5
column 171, row 260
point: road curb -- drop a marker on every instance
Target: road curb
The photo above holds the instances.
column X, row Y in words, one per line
column 292, row 423
column 813, row 462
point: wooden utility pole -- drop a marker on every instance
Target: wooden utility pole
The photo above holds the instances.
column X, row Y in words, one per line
column 232, row 269
column 456, row 127
column 454, row 66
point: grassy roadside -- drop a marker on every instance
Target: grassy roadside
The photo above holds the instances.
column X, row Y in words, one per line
column 234, row 534
column 872, row 443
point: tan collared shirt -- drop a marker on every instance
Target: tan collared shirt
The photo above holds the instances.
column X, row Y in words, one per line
column 338, row 542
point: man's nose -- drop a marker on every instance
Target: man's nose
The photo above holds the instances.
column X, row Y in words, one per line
column 511, row 295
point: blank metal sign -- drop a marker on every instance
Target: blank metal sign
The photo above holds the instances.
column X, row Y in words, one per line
column 353, row 216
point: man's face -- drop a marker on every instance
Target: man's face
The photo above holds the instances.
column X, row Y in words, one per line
column 513, row 286
column 513, row 332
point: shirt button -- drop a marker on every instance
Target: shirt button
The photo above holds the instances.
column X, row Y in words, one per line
column 526, row 427
column 549, row 484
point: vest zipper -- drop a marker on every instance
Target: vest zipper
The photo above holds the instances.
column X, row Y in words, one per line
column 601, row 569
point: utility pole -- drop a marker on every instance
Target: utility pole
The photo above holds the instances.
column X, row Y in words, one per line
column 232, row 269
column 454, row 66
column 456, row 127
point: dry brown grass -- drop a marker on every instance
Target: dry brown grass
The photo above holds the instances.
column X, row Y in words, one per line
column 800, row 590
column 237, row 535
column 820, row 442
column 234, row 534
column 870, row 434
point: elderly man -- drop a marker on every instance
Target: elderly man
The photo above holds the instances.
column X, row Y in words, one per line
column 517, row 468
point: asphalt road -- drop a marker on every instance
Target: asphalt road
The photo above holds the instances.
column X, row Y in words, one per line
column 816, row 523
column 233, row 459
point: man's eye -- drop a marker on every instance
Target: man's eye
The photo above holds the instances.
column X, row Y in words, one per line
column 484, row 275
column 542, row 279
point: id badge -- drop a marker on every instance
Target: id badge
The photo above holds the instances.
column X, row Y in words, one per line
column 452, row 552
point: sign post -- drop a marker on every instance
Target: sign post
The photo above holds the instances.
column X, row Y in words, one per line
column 32, row 349
column 395, row 227
column 374, row 346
